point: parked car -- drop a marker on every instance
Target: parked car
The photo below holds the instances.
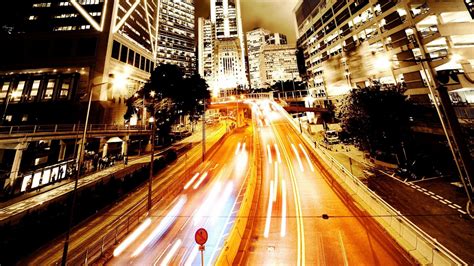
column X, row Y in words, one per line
column 331, row 137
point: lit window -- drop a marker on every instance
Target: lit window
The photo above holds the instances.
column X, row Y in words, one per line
column 33, row 18
column 64, row 93
column 34, row 90
column 48, row 93
column 18, row 92
column 4, row 91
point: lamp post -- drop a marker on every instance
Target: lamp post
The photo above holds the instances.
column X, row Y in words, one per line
column 152, row 156
column 119, row 81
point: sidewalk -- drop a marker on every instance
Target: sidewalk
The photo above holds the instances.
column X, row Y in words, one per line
column 38, row 197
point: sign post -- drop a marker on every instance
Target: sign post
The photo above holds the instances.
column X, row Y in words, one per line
column 201, row 238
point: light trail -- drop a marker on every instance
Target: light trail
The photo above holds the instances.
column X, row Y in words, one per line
column 269, row 211
column 162, row 226
column 192, row 256
column 277, row 152
column 307, row 158
column 132, row 237
column 275, row 183
column 171, row 253
column 238, row 148
column 222, row 201
column 190, row 182
column 283, row 209
column 298, row 157
column 269, row 152
column 206, row 207
column 203, row 176
column 243, row 147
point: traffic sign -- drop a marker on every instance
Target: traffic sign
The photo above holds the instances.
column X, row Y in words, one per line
column 201, row 236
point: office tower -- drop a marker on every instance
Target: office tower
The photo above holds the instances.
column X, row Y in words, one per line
column 228, row 70
column 176, row 34
column 353, row 43
column 271, row 59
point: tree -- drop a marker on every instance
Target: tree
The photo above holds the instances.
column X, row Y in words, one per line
column 168, row 95
column 377, row 118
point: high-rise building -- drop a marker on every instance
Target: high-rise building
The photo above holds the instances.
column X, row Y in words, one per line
column 61, row 49
column 350, row 44
column 176, row 34
column 271, row 59
column 228, row 69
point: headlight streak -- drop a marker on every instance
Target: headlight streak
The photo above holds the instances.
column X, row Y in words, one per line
column 269, row 152
column 192, row 256
column 206, row 206
column 171, row 253
column 203, row 176
column 190, row 182
column 222, row 201
column 307, row 158
column 238, row 149
column 283, row 209
column 275, row 183
column 132, row 237
column 269, row 211
column 162, row 226
column 298, row 157
column 277, row 153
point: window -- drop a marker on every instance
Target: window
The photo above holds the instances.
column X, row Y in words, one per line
column 123, row 54
column 48, row 93
column 34, row 90
column 4, row 91
column 131, row 55
column 137, row 60
column 65, row 87
column 116, row 50
column 16, row 96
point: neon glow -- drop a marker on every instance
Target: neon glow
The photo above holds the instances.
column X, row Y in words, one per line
column 132, row 237
column 162, row 226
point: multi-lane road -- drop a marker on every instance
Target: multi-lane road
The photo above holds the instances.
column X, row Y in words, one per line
column 291, row 226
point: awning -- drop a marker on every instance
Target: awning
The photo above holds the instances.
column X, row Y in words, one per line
column 114, row 140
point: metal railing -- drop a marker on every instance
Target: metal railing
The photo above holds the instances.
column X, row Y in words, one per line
column 62, row 128
column 387, row 216
column 292, row 94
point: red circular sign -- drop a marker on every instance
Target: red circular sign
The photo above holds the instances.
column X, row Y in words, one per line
column 201, row 236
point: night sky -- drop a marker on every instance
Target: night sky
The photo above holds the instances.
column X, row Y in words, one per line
column 274, row 15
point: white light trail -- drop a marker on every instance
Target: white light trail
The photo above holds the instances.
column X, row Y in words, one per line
column 275, row 183
column 206, row 207
column 307, row 158
column 269, row 211
column 277, row 152
column 238, row 148
column 171, row 253
column 191, row 181
column 192, row 256
column 269, row 154
column 132, row 237
column 222, row 201
column 203, row 176
column 243, row 147
column 297, row 156
column 283, row 209
column 162, row 226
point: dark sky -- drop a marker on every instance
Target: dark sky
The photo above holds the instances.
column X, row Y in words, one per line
column 274, row 15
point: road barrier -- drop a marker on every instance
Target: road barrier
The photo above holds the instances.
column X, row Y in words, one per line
column 424, row 248
column 235, row 237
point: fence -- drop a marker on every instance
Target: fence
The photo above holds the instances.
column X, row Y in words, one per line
column 58, row 128
column 407, row 234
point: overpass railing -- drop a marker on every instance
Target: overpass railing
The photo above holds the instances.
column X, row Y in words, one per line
column 292, row 94
column 58, row 128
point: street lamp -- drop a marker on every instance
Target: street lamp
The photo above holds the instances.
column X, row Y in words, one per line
column 152, row 120
column 81, row 157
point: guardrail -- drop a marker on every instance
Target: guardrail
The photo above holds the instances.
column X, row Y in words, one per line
column 408, row 235
column 58, row 128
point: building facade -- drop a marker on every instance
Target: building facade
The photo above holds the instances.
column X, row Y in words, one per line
column 348, row 44
column 271, row 59
column 176, row 34
column 223, row 34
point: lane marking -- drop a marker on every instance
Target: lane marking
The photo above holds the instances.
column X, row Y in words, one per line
column 203, row 176
column 344, row 254
column 457, row 205
column 461, row 211
column 297, row 157
column 140, row 229
column 452, row 206
column 191, row 181
column 277, row 152
column 283, row 209
column 275, row 183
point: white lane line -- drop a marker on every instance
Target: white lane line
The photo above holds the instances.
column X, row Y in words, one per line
column 461, row 211
column 140, row 229
column 448, row 201
column 191, row 181
column 269, row 211
column 238, row 148
column 434, row 197
column 444, row 202
column 419, row 190
column 278, row 153
column 203, row 176
column 307, row 158
column 457, row 205
column 344, row 254
column 452, row 206
column 275, row 183
column 431, row 193
column 170, row 254
column 283, row 209
column 438, row 196
column 422, row 189
column 297, row 157
column 269, row 152
column 426, row 193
